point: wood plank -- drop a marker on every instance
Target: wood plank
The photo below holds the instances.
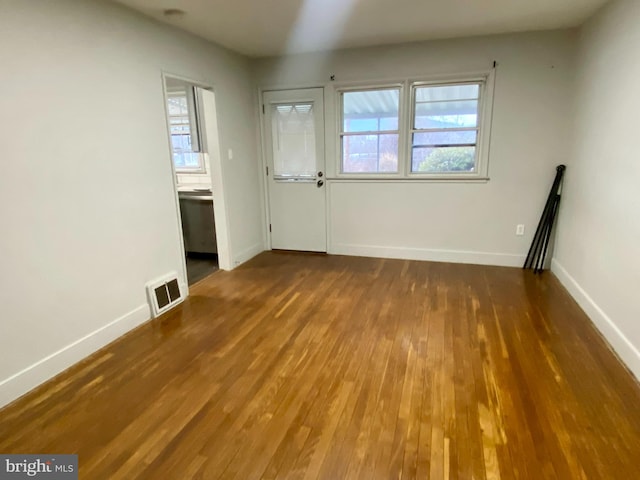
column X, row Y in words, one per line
column 326, row 367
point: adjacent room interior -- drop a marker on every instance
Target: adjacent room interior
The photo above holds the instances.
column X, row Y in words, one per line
column 249, row 240
column 192, row 169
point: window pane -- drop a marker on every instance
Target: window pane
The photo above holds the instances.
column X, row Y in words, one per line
column 447, row 92
column 455, row 137
column 448, row 106
column 181, row 143
column 187, row 160
column 178, row 104
column 184, row 128
column 371, row 110
column 447, row 114
column 443, row 159
column 294, row 140
column 370, row 153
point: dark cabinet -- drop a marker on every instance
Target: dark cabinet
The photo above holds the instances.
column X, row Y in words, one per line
column 198, row 224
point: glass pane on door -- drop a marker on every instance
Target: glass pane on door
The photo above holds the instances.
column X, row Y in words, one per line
column 294, row 141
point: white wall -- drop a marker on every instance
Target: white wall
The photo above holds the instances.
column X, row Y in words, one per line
column 598, row 243
column 462, row 222
column 87, row 206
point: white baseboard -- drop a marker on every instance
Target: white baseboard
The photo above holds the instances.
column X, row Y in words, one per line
column 27, row 379
column 627, row 352
column 247, row 254
column 432, row 255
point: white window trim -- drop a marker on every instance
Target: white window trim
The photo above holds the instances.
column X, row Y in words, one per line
column 401, row 86
column 196, row 123
column 406, row 109
column 481, row 158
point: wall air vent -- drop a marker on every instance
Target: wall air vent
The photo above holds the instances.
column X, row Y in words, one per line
column 164, row 293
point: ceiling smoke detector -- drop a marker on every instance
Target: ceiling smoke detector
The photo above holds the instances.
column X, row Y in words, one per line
column 173, row 13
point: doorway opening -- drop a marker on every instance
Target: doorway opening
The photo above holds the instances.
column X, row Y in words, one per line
column 192, row 124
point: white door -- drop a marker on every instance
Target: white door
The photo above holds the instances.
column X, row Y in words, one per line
column 294, row 146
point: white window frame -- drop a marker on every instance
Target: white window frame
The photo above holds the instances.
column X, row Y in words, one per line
column 481, row 157
column 196, row 130
column 486, row 79
column 401, row 87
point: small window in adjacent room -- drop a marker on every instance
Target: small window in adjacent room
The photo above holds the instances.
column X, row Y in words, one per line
column 370, row 131
column 184, row 125
column 445, row 128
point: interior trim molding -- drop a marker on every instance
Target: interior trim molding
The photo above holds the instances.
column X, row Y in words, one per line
column 247, row 254
column 619, row 343
column 432, row 255
column 25, row 380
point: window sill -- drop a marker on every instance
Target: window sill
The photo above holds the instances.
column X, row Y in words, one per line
column 412, row 179
column 191, row 172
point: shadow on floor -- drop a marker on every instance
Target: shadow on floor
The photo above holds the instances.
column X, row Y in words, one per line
column 200, row 265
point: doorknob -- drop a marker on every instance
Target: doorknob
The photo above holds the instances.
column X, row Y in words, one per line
column 320, row 174
column 320, row 183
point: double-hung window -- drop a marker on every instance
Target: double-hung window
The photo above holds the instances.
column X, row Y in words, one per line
column 445, row 128
column 444, row 135
column 370, row 133
column 184, row 126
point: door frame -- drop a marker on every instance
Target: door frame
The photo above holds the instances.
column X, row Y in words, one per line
column 264, row 159
column 215, row 164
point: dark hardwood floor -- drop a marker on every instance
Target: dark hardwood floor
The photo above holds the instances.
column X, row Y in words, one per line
column 312, row 366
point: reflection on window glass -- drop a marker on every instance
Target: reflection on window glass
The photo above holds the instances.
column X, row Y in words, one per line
column 294, row 140
column 369, row 136
column 445, row 128
column 370, row 153
column 443, row 159
column 184, row 128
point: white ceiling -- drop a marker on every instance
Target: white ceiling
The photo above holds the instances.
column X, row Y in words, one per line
column 261, row 28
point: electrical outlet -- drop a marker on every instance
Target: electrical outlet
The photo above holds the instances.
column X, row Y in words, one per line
column 520, row 230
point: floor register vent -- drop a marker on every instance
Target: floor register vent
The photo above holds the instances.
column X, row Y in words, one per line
column 164, row 293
